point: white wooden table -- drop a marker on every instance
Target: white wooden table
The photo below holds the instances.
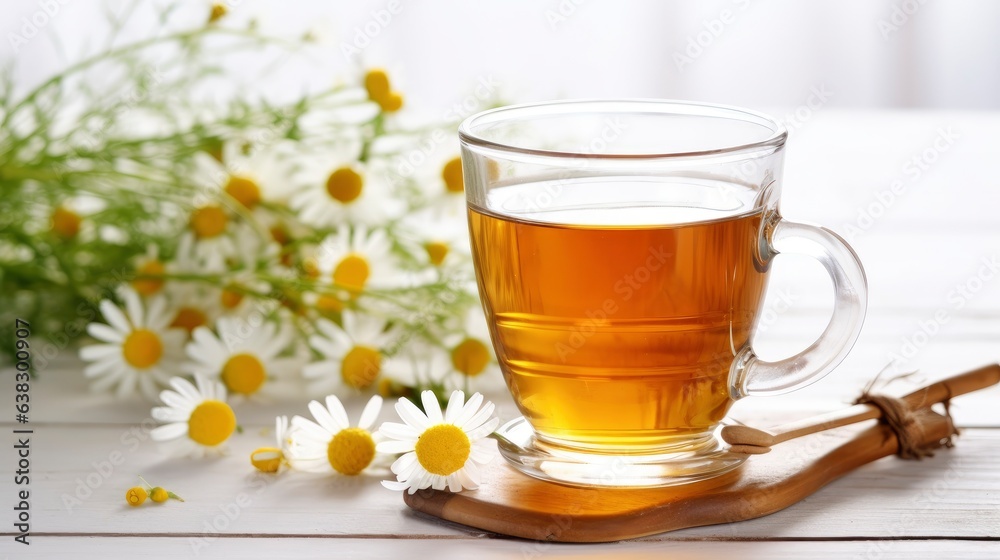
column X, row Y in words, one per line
column 934, row 236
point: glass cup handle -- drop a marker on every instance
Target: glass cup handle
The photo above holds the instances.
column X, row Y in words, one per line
column 751, row 376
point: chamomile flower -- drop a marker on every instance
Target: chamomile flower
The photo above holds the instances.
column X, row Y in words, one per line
column 331, row 442
column 138, row 348
column 418, row 364
column 443, row 185
column 198, row 418
column 440, row 450
column 149, row 269
column 470, row 349
column 244, row 357
column 192, row 305
column 208, row 240
column 337, row 193
column 352, row 354
column 270, row 459
column 248, row 171
column 436, row 241
column 69, row 221
column 352, row 262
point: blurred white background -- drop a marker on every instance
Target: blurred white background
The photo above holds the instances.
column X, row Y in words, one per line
column 757, row 53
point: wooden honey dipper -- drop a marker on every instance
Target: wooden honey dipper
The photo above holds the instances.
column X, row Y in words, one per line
column 753, row 441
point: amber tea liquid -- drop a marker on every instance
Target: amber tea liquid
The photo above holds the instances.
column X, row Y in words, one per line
column 616, row 326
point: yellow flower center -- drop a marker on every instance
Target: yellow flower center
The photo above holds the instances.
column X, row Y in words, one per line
column 352, row 273
column 65, row 223
column 244, row 190
column 470, row 357
column 379, row 91
column 443, row 449
column 391, row 103
column 149, row 286
column 230, row 299
column 344, row 185
column 267, row 459
column 436, row 251
column 329, row 304
column 280, row 235
column 452, row 175
column 208, row 221
column 142, row 348
column 189, row 319
column 351, row 451
column 211, row 423
column 218, row 12
column 244, row 374
column 360, row 366
column 377, row 84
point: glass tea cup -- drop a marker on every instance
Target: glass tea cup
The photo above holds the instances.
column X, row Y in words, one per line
column 622, row 252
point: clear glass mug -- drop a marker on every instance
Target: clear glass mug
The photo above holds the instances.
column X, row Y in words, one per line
column 622, row 250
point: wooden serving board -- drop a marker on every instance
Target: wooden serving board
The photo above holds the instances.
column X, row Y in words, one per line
column 514, row 504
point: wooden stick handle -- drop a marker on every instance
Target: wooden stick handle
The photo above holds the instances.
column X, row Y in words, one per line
column 744, row 438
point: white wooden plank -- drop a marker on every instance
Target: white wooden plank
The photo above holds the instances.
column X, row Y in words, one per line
column 954, row 494
column 489, row 549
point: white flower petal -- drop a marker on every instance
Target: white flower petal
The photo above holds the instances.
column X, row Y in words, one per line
column 115, row 317
column 134, row 307
column 102, row 383
column 412, row 415
column 398, row 431
column 127, row 386
column 157, row 316
column 324, row 418
column 455, row 405
column 484, row 413
column 185, row 388
column 169, row 431
column 337, row 411
column 484, row 430
column 102, row 367
column 469, row 410
column 394, row 446
column 395, row 486
column 97, row 352
column 176, row 400
column 370, row 414
column 105, row 333
column 431, row 407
